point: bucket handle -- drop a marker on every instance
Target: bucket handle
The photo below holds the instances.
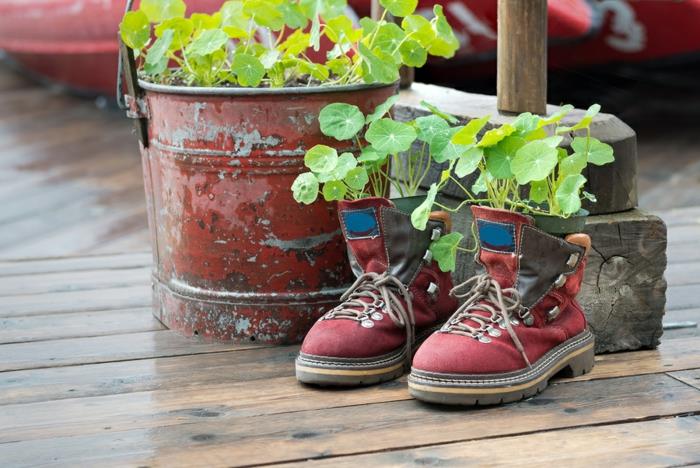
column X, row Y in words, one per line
column 132, row 100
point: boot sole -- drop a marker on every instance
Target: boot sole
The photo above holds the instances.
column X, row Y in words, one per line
column 575, row 357
column 349, row 372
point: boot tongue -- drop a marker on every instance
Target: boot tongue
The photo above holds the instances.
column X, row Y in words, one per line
column 499, row 237
column 364, row 233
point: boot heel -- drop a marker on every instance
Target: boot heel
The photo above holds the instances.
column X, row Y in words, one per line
column 581, row 364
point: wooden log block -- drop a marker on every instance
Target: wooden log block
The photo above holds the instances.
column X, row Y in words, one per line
column 624, row 290
column 615, row 185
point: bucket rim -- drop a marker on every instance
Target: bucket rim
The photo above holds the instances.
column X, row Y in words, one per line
column 223, row 91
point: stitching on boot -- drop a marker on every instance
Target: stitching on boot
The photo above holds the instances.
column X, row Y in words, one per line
column 565, row 272
column 535, row 371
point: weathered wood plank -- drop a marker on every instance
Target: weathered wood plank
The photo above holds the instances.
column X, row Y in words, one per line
column 180, row 372
column 174, row 404
column 76, row 301
column 222, row 439
column 61, row 326
column 105, row 349
column 46, row 283
column 678, row 274
column 71, row 264
column 683, row 297
column 661, row 442
column 682, row 315
column 690, row 377
column 623, row 292
column 197, row 371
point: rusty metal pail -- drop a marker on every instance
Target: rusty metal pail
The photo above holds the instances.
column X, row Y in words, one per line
column 235, row 257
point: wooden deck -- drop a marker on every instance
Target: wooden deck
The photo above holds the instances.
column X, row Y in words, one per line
column 89, row 378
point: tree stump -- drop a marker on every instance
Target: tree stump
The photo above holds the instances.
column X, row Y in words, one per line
column 615, row 185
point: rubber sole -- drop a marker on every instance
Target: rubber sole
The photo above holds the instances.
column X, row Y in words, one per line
column 349, row 372
column 574, row 356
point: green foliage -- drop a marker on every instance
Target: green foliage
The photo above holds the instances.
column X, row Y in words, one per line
column 444, row 250
column 341, row 121
column 255, row 43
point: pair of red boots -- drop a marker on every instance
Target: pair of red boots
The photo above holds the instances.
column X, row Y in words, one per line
column 518, row 325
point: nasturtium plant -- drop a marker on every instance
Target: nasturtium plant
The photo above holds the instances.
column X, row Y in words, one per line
column 521, row 166
column 387, row 154
column 266, row 43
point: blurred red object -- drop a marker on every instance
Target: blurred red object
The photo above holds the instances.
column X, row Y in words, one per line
column 73, row 42
column 70, row 42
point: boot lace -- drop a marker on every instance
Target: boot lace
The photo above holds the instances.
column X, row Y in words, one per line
column 373, row 295
column 485, row 294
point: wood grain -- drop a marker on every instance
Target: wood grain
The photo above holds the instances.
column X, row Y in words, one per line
column 661, row 442
column 224, row 439
column 76, row 301
column 521, row 57
column 86, row 324
column 97, row 349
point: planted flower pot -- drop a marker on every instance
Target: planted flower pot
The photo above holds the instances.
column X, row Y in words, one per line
column 227, row 107
column 559, row 226
column 236, row 258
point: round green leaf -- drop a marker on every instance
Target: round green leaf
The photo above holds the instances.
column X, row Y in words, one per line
column 346, row 162
column 369, row 154
column 419, row 28
column 413, row 54
column 568, row 194
column 387, row 135
column 135, row 29
column 429, row 126
column 388, row 39
column 382, row 109
column 445, row 43
column 495, row 135
column 341, row 121
column 182, row 31
column 207, row 42
column 572, row 165
column 444, row 250
column 443, row 148
column 321, row 158
column 467, row 134
column 161, row 10
column 334, row 190
column 377, row 67
column 357, row 178
column 305, row 188
column 469, row 161
column 157, row 52
column 534, row 161
column 420, row 216
column 499, row 157
column 248, row 69
column 539, row 191
column 400, row 8
column 596, row 151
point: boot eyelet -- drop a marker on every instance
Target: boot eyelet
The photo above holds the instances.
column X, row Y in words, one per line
column 435, row 235
column 484, row 339
column 367, row 323
column 377, row 316
column 561, row 279
column 573, row 258
column 495, row 332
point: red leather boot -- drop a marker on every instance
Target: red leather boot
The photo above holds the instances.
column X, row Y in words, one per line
column 520, row 323
column 399, row 298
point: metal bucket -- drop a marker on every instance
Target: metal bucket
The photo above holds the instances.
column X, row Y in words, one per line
column 235, row 257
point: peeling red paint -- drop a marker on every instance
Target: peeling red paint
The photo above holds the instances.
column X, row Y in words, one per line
column 236, row 257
